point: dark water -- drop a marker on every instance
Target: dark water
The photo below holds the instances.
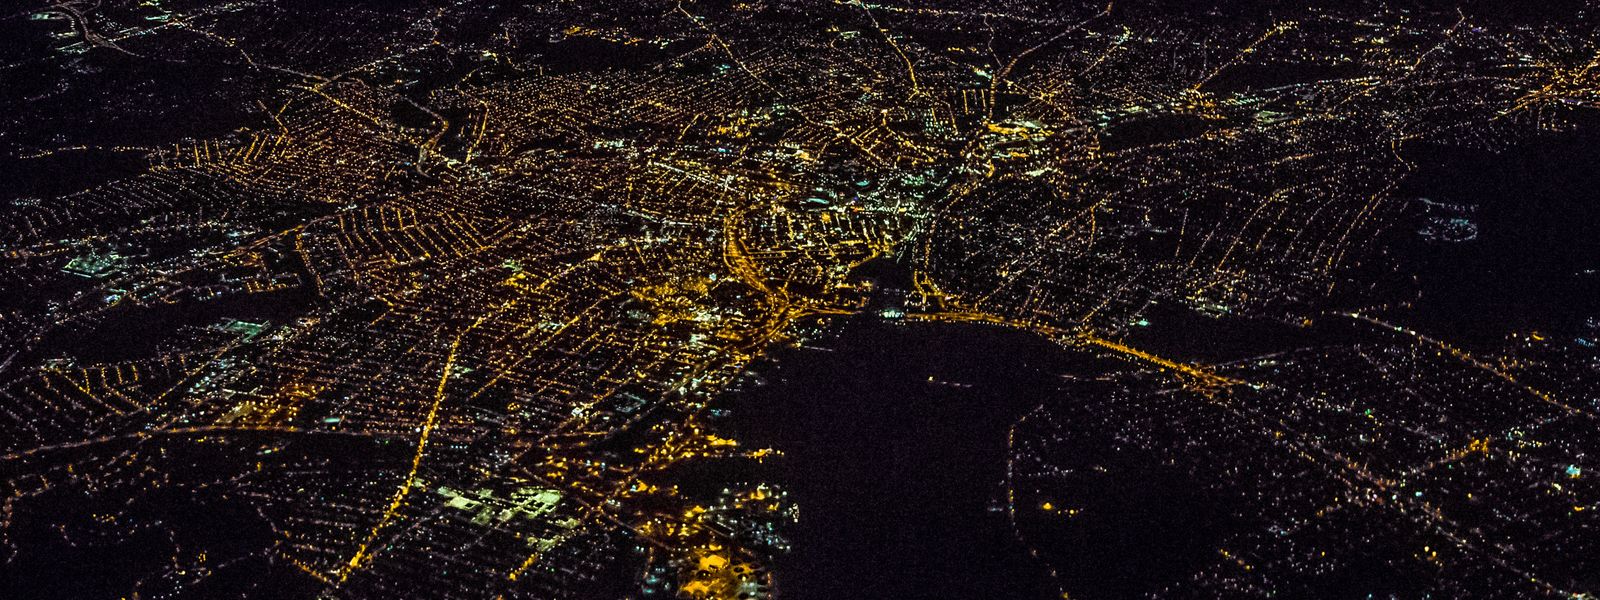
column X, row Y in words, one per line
column 899, row 478
column 1535, row 262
